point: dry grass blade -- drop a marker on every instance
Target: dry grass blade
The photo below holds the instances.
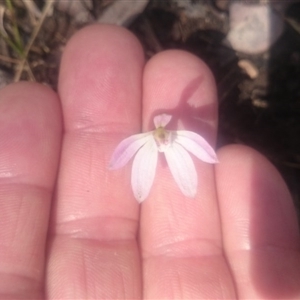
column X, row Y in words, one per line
column 48, row 6
column 9, row 59
column 14, row 44
column 294, row 24
column 29, row 71
column 2, row 11
column 33, row 11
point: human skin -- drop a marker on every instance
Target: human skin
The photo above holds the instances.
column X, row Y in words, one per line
column 71, row 229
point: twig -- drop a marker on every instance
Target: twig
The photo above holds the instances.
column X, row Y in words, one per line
column 9, row 59
column 291, row 165
column 2, row 11
column 33, row 12
column 29, row 71
column 34, row 34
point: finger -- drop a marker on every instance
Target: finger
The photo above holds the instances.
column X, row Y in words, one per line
column 30, row 134
column 261, row 236
column 95, row 217
column 181, row 237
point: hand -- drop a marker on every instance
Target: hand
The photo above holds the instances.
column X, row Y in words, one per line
column 71, row 229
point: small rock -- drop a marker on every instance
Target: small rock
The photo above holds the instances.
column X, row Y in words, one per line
column 253, row 27
column 123, row 12
column 249, row 68
column 260, row 103
column 192, row 9
column 77, row 9
column 222, row 4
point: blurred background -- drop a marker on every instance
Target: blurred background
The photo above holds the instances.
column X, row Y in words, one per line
column 252, row 48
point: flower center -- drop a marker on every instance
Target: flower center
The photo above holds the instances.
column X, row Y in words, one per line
column 162, row 138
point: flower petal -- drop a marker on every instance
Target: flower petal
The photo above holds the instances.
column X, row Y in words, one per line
column 183, row 169
column 143, row 170
column 127, row 148
column 162, row 120
column 197, row 145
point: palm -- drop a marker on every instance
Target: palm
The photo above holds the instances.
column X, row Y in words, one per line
column 237, row 239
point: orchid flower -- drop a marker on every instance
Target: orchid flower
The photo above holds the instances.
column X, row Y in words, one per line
column 175, row 145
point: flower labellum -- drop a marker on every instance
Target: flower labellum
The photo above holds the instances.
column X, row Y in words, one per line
column 176, row 146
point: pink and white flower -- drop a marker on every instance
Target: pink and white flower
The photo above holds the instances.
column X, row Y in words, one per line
column 175, row 145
